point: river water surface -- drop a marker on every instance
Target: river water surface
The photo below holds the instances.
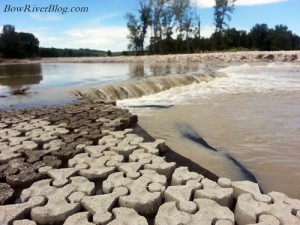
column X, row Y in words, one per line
column 246, row 116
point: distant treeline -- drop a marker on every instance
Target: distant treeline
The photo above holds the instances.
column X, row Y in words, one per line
column 56, row 52
column 260, row 38
column 174, row 26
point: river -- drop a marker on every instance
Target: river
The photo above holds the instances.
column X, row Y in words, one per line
column 241, row 120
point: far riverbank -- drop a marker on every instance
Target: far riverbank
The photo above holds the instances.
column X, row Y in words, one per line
column 216, row 57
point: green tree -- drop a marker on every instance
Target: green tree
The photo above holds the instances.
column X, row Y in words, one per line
column 138, row 26
column 29, row 44
column 222, row 13
column 259, row 35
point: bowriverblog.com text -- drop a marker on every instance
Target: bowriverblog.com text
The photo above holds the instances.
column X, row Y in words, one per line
column 45, row 9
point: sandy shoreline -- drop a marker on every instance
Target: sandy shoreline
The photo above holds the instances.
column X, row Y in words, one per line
column 218, row 57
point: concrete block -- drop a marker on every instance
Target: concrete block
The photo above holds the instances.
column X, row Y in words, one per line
column 160, row 165
column 54, row 145
column 248, row 210
column 181, row 193
column 10, row 213
column 224, row 182
column 61, row 176
column 131, row 169
column 24, row 222
column 140, row 155
column 96, row 150
column 157, row 144
column 211, row 190
column 114, row 180
column 95, row 168
column 101, row 205
column 81, row 218
column 126, row 216
column 209, row 212
column 169, row 214
column 21, row 175
column 118, row 134
column 124, row 149
column 182, row 174
column 283, row 212
column 6, row 193
column 50, row 213
column 240, row 187
column 108, row 141
column 140, row 198
column 8, row 153
column 267, row 220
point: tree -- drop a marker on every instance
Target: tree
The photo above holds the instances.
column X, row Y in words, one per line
column 29, row 44
column 259, row 35
column 222, row 11
column 18, row 45
column 138, row 27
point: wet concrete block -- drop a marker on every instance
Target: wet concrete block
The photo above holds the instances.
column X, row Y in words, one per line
column 20, row 174
column 9, row 213
column 182, row 174
column 211, row 190
column 50, row 213
column 126, row 216
column 95, row 168
column 100, row 206
column 248, row 210
column 240, row 187
column 81, row 218
column 6, row 193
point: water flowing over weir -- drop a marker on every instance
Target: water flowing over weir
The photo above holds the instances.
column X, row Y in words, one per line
column 142, row 87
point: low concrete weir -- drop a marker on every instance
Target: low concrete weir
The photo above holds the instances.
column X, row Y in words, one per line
column 142, row 87
column 91, row 163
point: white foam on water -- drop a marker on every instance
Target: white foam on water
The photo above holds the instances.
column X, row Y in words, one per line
column 245, row 78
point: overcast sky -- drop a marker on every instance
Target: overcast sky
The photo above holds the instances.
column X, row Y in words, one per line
column 103, row 26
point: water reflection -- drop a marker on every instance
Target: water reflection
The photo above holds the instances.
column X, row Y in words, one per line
column 18, row 76
column 139, row 70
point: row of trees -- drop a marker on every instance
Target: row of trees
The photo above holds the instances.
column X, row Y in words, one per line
column 25, row 45
column 174, row 26
column 17, row 44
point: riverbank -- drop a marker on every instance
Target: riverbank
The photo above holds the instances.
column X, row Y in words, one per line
column 91, row 162
column 216, row 57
